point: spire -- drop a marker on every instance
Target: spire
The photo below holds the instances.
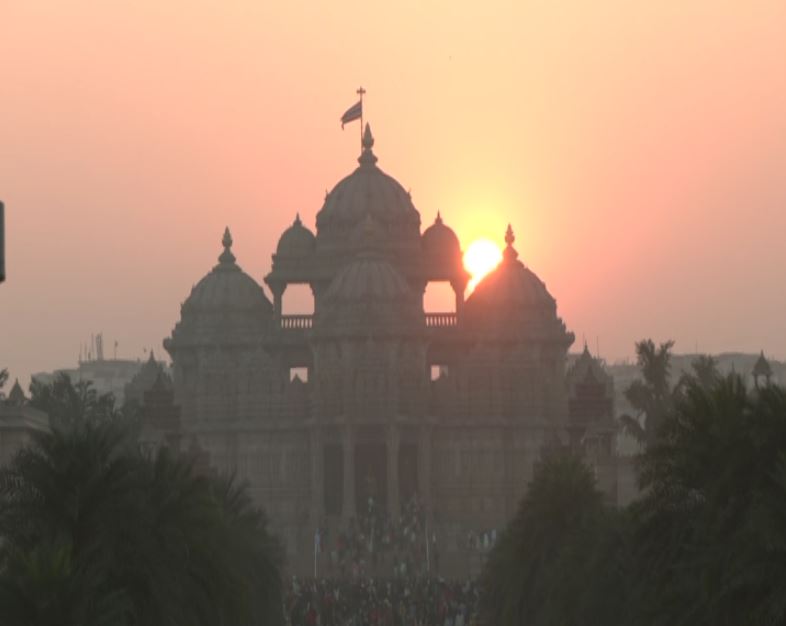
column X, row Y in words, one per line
column 367, row 157
column 226, row 256
column 439, row 218
column 16, row 397
column 510, row 252
column 297, row 221
column 762, row 367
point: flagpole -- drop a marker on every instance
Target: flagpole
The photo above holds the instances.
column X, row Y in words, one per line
column 360, row 92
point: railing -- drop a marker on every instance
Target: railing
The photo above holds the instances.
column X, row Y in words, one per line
column 441, row 320
column 306, row 322
column 297, row 322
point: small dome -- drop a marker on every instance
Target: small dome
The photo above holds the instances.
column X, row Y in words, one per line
column 227, row 289
column 296, row 241
column 440, row 242
column 367, row 191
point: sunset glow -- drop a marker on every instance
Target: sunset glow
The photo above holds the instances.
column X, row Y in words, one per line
column 481, row 257
column 630, row 129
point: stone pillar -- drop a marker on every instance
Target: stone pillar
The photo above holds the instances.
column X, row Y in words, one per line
column 393, row 494
column 317, row 478
column 278, row 290
column 424, row 470
column 348, row 510
column 459, row 287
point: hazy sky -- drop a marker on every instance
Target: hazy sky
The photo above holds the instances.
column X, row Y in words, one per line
column 638, row 148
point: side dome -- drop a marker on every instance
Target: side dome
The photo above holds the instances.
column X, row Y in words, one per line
column 368, row 191
column 513, row 300
column 225, row 304
column 440, row 242
column 297, row 241
column 227, row 288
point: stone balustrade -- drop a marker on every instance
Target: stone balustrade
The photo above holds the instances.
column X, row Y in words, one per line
column 441, row 320
column 297, row 322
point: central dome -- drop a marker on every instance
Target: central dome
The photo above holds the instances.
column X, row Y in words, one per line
column 367, row 191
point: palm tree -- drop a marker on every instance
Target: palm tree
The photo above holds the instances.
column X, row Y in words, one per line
column 705, row 371
column 650, row 396
column 147, row 532
column 560, row 555
column 709, row 527
column 43, row 586
column 66, row 402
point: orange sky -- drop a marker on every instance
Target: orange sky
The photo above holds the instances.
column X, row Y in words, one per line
column 639, row 149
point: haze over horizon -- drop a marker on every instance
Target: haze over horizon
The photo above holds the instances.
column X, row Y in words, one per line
column 638, row 151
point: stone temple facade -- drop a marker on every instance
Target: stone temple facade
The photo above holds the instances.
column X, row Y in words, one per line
column 451, row 407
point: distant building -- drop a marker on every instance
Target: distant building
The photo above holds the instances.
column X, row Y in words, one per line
column 371, row 398
column 106, row 375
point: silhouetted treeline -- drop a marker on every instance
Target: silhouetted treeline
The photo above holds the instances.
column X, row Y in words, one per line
column 94, row 531
column 704, row 545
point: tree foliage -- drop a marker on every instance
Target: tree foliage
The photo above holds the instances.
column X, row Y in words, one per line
column 94, row 531
column 705, row 543
column 563, row 558
column 710, row 524
column 651, row 395
column 67, row 402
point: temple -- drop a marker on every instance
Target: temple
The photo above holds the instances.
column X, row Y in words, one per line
column 373, row 401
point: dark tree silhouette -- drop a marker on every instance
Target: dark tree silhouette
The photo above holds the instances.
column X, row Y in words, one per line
column 67, row 402
column 564, row 557
column 93, row 531
column 651, row 395
column 710, row 524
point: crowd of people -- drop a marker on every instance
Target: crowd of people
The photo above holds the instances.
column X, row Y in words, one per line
column 373, row 543
column 481, row 541
column 379, row 571
column 383, row 602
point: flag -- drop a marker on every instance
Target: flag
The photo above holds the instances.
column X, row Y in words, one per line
column 352, row 113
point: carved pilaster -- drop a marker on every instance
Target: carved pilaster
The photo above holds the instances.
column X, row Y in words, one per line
column 424, row 469
column 393, row 492
column 348, row 510
column 317, row 477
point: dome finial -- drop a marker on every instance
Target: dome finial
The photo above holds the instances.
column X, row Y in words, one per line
column 297, row 221
column 368, row 138
column 439, row 218
column 226, row 241
column 367, row 157
column 510, row 251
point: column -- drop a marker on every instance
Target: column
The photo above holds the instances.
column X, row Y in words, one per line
column 348, row 510
column 317, row 478
column 459, row 287
column 424, row 470
column 393, row 495
column 278, row 290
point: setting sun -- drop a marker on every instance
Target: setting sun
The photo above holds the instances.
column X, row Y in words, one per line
column 481, row 257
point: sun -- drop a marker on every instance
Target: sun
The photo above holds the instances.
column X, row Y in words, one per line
column 481, row 257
